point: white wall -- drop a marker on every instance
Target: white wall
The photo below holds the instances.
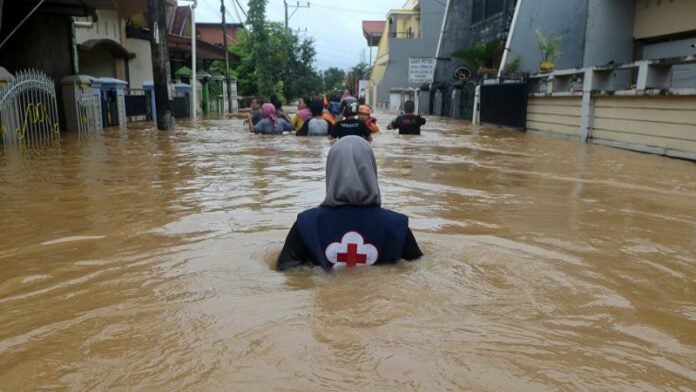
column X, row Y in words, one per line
column 107, row 26
column 140, row 67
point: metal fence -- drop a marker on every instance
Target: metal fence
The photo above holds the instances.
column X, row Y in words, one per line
column 138, row 105
column 88, row 111
column 504, row 104
column 28, row 109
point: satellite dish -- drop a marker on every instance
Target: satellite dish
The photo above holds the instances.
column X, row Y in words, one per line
column 462, row 74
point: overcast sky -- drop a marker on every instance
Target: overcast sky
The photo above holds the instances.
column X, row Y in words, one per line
column 335, row 26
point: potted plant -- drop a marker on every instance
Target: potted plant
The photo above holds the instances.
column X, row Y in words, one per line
column 513, row 70
column 548, row 46
column 480, row 57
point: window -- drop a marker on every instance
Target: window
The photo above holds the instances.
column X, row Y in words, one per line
column 484, row 9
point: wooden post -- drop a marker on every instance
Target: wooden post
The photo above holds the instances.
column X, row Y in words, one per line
column 160, row 64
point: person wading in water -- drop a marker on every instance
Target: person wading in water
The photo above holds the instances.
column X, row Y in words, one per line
column 270, row 124
column 350, row 125
column 317, row 125
column 408, row 123
column 350, row 227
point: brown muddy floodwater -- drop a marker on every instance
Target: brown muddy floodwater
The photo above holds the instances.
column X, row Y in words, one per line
column 142, row 260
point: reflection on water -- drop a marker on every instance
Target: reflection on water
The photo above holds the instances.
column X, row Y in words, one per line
column 142, row 260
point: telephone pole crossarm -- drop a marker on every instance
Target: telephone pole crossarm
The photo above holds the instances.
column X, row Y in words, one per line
column 295, row 7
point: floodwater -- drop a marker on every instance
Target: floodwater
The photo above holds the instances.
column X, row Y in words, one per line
column 142, row 260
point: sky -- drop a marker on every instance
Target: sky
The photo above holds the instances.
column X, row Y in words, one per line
column 335, row 26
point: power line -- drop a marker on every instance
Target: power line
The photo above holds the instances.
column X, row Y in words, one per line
column 242, row 9
column 236, row 12
column 348, row 10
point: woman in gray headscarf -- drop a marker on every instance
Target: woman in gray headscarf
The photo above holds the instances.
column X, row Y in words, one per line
column 350, row 227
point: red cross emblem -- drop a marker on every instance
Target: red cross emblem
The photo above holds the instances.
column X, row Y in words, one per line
column 352, row 257
column 351, row 251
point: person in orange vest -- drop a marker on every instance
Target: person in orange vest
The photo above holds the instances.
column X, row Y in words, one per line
column 365, row 114
column 327, row 115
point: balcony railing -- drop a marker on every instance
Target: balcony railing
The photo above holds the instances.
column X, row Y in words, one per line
column 404, row 35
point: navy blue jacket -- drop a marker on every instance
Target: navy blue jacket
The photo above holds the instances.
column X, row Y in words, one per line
column 336, row 237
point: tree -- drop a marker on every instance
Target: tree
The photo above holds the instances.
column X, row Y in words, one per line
column 361, row 71
column 333, row 79
column 301, row 79
column 273, row 60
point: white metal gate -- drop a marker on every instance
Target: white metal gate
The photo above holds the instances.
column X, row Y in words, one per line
column 28, row 110
column 88, row 110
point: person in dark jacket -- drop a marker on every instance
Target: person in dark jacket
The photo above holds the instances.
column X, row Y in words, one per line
column 408, row 123
column 350, row 227
column 350, row 125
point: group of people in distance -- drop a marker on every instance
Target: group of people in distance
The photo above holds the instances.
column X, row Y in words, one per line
column 350, row 227
column 320, row 116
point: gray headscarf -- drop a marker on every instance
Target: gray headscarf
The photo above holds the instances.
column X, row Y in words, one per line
column 351, row 174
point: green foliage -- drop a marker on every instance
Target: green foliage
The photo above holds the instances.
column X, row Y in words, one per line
column 358, row 72
column 514, row 67
column 333, row 79
column 479, row 55
column 549, row 46
column 272, row 59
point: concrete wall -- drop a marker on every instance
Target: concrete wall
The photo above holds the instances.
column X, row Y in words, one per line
column 567, row 18
column 108, row 26
column 396, row 73
column 140, row 67
column 609, row 32
column 459, row 33
column 557, row 116
column 454, row 35
column 683, row 76
column 661, row 124
column 656, row 18
column 98, row 62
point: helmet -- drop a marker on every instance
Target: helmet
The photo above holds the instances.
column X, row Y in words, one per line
column 351, row 109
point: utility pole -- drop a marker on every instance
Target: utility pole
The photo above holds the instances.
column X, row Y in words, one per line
column 194, row 77
column 160, row 64
column 228, row 82
column 296, row 7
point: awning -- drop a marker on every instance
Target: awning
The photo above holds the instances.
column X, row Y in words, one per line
column 373, row 30
column 112, row 46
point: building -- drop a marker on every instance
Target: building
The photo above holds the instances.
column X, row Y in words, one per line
column 626, row 77
column 410, row 36
column 212, row 33
column 57, row 37
column 211, row 91
column 466, row 23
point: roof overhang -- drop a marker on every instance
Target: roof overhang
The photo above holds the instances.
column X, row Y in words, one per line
column 112, row 46
column 396, row 12
column 373, row 31
column 204, row 50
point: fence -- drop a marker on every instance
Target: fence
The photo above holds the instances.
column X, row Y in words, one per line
column 632, row 106
column 88, row 110
column 138, row 105
column 504, row 104
column 28, row 110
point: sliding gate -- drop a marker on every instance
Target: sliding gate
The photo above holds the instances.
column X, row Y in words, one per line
column 504, row 104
